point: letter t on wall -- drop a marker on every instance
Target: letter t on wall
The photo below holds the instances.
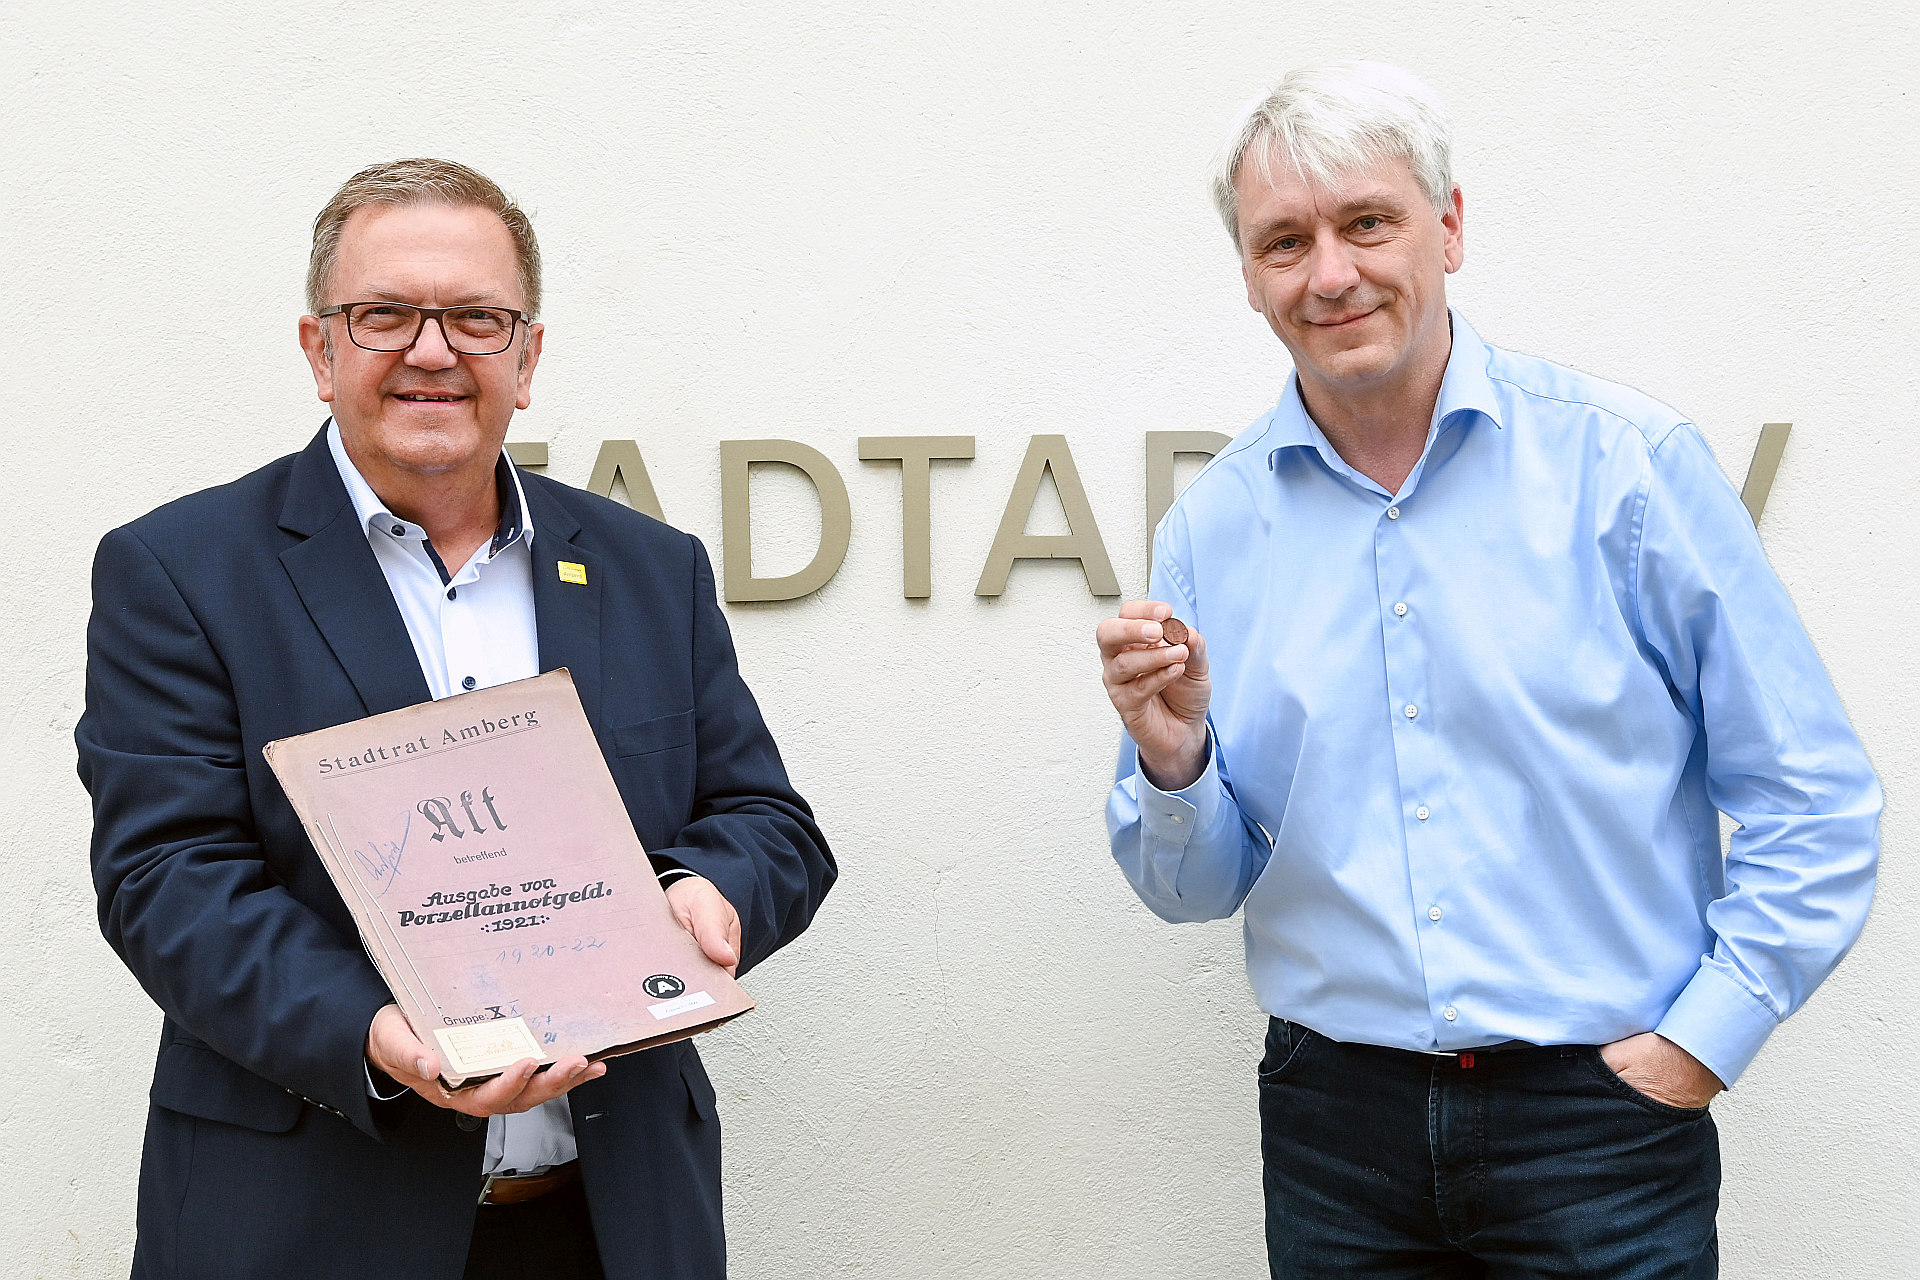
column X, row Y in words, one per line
column 527, row 453
column 916, row 454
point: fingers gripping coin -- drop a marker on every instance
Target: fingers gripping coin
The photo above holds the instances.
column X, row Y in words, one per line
column 1154, row 667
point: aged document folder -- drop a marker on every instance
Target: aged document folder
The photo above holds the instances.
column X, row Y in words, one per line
column 497, row 880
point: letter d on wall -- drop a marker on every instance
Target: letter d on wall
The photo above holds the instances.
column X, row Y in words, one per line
column 736, row 519
column 1162, row 448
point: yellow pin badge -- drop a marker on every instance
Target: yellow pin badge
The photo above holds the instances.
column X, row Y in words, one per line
column 571, row 572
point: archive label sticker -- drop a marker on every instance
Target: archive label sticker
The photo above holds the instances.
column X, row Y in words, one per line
column 482, row 1047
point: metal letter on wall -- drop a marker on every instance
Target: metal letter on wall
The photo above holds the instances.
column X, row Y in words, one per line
column 527, row 453
column 915, row 454
column 620, row 461
column 1765, row 465
column 736, row 519
column 1162, row 448
column 1081, row 542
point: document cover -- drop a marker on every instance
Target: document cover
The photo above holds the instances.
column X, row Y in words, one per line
column 497, row 880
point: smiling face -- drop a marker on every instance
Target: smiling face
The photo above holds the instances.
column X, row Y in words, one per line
column 1351, row 276
column 407, row 416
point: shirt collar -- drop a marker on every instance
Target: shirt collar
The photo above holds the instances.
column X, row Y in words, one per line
column 515, row 520
column 1465, row 389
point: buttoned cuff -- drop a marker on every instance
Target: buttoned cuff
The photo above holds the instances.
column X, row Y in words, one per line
column 1172, row 817
column 1719, row 1022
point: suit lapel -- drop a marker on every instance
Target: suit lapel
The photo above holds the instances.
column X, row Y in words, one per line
column 566, row 613
column 342, row 587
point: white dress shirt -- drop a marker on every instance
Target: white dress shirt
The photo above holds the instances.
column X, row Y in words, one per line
column 471, row 629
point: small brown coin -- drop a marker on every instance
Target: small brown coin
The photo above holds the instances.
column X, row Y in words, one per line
column 1173, row 631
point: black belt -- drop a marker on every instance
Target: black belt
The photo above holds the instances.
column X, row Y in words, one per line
column 1508, row 1050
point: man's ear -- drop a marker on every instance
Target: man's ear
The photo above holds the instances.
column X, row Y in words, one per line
column 529, row 357
column 1453, row 223
column 313, row 341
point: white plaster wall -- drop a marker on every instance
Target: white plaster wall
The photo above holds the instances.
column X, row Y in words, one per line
column 823, row 221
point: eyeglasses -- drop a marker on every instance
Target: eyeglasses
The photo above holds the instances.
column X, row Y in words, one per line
column 395, row 326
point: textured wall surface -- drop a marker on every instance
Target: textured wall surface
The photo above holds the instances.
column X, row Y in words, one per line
column 851, row 218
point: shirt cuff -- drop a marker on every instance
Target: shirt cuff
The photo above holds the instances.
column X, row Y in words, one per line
column 1173, row 816
column 373, row 1090
column 1719, row 1022
column 671, row 874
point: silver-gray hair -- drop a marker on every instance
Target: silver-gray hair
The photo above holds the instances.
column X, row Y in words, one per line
column 1331, row 118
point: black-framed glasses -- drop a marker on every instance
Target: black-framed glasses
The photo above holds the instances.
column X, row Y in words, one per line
column 395, row 326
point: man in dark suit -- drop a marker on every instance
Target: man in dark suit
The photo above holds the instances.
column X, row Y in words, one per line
column 296, row 1128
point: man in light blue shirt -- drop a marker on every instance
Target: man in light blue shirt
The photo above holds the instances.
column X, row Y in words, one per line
column 1479, row 650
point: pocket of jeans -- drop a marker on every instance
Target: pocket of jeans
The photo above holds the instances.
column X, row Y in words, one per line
column 1646, row 1102
column 1284, row 1057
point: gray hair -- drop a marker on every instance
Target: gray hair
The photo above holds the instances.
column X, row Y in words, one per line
column 406, row 182
column 1331, row 118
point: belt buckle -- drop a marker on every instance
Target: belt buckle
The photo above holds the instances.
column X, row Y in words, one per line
column 535, row 1184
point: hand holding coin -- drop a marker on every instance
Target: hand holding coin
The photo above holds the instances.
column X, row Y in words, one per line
column 1154, row 667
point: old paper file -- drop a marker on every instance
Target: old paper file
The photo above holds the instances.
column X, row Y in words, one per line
column 497, row 881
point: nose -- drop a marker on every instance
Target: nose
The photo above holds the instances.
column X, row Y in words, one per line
column 430, row 349
column 1332, row 271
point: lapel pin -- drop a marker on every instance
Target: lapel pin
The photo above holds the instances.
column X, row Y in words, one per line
column 571, row 572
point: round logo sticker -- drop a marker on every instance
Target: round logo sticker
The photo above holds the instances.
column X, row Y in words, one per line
column 663, row 986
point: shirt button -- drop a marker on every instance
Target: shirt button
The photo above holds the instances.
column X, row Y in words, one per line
column 1423, row 813
column 1434, row 914
column 399, row 530
column 1393, row 513
column 1176, row 817
column 453, row 593
column 1450, row 1013
column 1412, row 711
column 468, row 683
column 1400, row 610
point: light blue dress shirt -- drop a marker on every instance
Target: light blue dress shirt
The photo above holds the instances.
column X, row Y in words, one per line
column 1490, row 722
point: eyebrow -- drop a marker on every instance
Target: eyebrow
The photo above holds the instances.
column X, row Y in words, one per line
column 1383, row 201
column 485, row 298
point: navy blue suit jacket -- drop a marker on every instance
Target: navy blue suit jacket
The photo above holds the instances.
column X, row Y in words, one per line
column 256, row 610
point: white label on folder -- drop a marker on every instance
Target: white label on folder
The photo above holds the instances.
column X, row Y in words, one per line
column 685, row 1004
column 481, row 1047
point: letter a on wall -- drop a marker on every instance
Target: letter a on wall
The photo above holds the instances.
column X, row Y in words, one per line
column 620, row 462
column 1048, row 455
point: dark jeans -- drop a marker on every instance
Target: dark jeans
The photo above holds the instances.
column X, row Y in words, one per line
column 1522, row 1162
column 550, row 1238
